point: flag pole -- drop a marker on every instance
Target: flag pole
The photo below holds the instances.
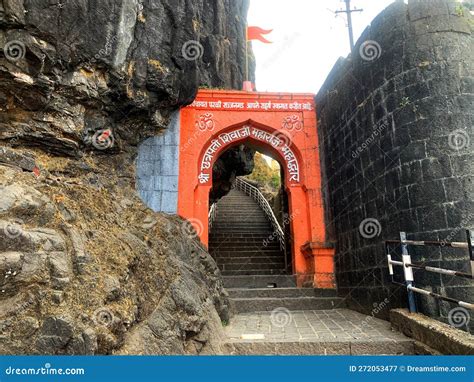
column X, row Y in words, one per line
column 246, row 52
column 247, row 85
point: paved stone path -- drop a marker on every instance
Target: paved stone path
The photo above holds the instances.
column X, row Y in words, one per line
column 337, row 331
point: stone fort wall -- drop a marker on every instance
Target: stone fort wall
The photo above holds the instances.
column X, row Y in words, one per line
column 396, row 133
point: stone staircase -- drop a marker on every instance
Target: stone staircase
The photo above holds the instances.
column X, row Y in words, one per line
column 237, row 238
column 266, row 293
column 254, row 273
column 273, row 316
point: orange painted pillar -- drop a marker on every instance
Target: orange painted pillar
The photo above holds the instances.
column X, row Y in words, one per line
column 201, row 212
column 300, row 232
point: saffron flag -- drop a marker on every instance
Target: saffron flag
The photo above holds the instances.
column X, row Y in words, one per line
column 256, row 33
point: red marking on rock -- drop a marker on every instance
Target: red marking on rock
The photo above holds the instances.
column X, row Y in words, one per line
column 104, row 135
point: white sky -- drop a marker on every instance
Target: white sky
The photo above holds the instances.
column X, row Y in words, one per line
column 307, row 40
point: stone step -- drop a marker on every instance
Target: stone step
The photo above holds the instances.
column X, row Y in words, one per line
column 248, row 251
column 230, row 213
column 265, row 226
column 252, row 253
column 236, row 194
column 271, row 266
column 243, row 219
column 245, row 252
column 240, row 207
column 280, row 292
column 265, row 232
column 246, row 230
column 245, row 248
column 243, row 204
column 243, row 200
column 246, row 239
column 326, row 347
column 244, row 235
column 259, row 281
column 248, row 272
column 248, row 202
column 229, row 200
column 244, row 226
column 239, row 243
column 241, row 215
column 250, row 260
column 258, row 260
column 267, row 304
column 224, row 247
column 241, row 222
column 239, row 240
column 233, row 198
column 235, row 239
column 243, row 212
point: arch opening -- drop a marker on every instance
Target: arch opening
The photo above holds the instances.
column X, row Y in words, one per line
column 249, row 228
column 273, row 143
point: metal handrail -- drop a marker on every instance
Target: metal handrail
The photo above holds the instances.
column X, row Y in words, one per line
column 407, row 266
column 212, row 214
column 257, row 195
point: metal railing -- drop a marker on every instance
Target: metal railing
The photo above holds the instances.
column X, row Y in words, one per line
column 408, row 266
column 212, row 215
column 256, row 195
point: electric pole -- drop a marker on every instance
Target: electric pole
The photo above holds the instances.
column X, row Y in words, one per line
column 348, row 11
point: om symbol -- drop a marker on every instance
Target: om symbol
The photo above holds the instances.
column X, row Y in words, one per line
column 292, row 122
column 205, row 122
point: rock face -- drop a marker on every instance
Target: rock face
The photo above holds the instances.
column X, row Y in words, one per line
column 236, row 161
column 75, row 67
column 396, row 134
column 85, row 267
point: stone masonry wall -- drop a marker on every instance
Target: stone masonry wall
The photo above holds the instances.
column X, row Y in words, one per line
column 158, row 167
column 396, row 133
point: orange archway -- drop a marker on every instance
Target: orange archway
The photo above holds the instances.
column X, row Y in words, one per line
column 280, row 124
